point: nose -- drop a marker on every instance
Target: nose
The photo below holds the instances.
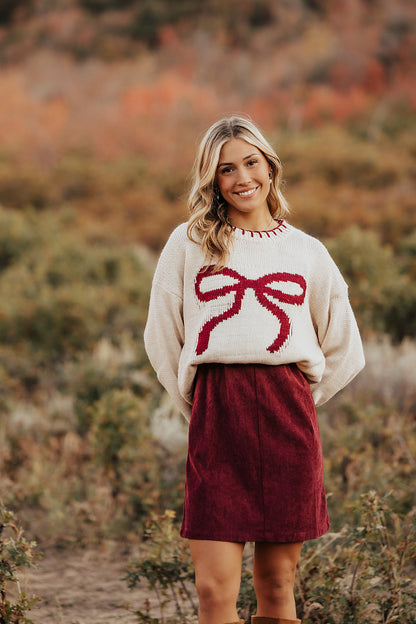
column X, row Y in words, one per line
column 243, row 176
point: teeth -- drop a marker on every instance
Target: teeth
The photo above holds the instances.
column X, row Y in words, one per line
column 245, row 193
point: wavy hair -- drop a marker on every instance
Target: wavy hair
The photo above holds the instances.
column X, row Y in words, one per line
column 208, row 223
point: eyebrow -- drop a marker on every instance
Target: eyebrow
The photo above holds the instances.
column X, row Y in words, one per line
column 245, row 158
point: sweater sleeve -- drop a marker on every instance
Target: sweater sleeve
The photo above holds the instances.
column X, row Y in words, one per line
column 337, row 333
column 164, row 332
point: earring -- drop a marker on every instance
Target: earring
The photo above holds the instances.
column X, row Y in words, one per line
column 270, row 177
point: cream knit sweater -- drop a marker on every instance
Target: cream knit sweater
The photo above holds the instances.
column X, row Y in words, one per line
column 280, row 299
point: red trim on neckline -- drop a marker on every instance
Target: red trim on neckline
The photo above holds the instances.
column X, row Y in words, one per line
column 281, row 226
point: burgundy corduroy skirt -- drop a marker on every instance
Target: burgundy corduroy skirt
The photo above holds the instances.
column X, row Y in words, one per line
column 254, row 470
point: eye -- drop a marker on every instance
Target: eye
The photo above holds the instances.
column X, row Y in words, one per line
column 226, row 170
column 252, row 162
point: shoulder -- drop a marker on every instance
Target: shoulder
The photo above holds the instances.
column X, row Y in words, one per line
column 175, row 254
column 311, row 245
column 177, row 238
column 180, row 232
column 308, row 242
column 323, row 268
column 176, row 244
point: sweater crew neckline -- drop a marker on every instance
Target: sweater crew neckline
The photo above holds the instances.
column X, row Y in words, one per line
column 280, row 227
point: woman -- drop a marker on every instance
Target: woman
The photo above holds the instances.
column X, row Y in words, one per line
column 249, row 328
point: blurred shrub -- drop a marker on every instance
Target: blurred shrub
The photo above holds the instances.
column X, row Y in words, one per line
column 152, row 16
column 336, row 177
column 261, row 14
column 122, row 444
column 370, row 271
column 400, row 311
column 140, row 472
column 73, row 178
column 16, row 237
column 320, row 6
column 91, row 384
column 367, row 446
column 16, row 553
column 381, row 292
column 59, row 294
column 365, row 573
column 147, row 22
column 78, row 175
column 23, row 186
column 96, row 6
column 167, row 569
column 337, row 156
column 56, row 324
column 369, row 432
column 408, row 250
column 8, row 8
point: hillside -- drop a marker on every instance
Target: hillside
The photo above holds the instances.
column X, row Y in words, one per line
column 103, row 102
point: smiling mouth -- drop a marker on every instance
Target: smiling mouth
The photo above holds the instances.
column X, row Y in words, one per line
column 248, row 193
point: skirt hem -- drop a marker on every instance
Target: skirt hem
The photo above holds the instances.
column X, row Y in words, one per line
column 249, row 537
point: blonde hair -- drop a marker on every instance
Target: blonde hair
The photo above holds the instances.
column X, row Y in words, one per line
column 208, row 224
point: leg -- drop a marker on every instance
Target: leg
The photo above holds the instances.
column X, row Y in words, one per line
column 217, row 578
column 274, row 578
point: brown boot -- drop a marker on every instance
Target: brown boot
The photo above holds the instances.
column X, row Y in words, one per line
column 258, row 619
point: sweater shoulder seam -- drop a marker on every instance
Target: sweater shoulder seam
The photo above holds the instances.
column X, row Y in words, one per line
column 169, row 292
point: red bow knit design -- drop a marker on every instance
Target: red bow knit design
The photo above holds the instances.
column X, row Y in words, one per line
column 262, row 289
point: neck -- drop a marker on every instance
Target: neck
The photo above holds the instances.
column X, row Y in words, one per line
column 257, row 223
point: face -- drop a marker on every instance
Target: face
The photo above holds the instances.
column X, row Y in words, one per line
column 243, row 178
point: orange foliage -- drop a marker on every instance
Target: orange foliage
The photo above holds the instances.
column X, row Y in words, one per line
column 374, row 78
column 155, row 103
column 168, row 37
column 327, row 104
column 16, row 112
column 169, row 91
column 53, row 116
column 51, row 106
column 264, row 110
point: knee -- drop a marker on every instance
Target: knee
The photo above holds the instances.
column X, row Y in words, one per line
column 215, row 593
column 275, row 587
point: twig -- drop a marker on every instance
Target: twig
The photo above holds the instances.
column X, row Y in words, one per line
column 189, row 596
column 178, row 606
column 160, row 605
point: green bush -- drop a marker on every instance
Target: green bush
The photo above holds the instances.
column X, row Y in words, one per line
column 141, row 473
column 151, row 16
column 97, row 6
column 55, row 323
column 368, row 433
column 121, row 441
column 59, row 294
column 25, row 186
column 168, row 571
column 365, row 573
column 91, row 384
column 16, row 237
column 16, row 553
column 336, row 156
column 400, row 310
column 381, row 292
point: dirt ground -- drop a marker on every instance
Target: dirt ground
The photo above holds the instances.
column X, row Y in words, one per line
column 83, row 587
